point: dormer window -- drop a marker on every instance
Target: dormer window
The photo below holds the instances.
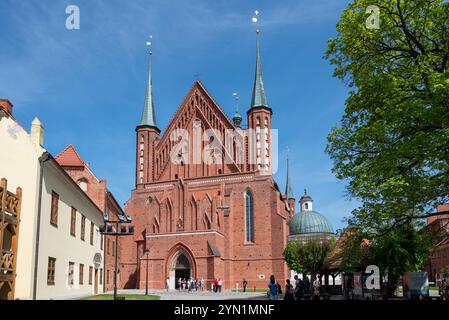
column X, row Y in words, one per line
column 83, row 184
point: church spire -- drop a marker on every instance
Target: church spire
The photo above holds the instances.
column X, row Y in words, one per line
column 148, row 114
column 259, row 98
column 288, row 185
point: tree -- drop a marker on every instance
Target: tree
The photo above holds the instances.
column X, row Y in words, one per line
column 307, row 257
column 392, row 144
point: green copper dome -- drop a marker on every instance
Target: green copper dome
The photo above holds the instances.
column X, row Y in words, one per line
column 309, row 222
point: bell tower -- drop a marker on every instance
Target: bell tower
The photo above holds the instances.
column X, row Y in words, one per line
column 147, row 132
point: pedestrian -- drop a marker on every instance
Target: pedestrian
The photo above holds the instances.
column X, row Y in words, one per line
column 215, row 285
column 299, row 288
column 288, row 290
column 220, row 283
column 307, row 285
column 202, row 284
column 245, row 284
column 443, row 289
column 316, row 289
column 273, row 289
column 167, row 284
column 179, row 283
column 183, row 284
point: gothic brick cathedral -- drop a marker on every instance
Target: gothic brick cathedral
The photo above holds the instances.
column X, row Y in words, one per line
column 205, row 202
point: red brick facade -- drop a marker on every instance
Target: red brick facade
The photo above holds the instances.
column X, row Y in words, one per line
column 440, row 255
column 194, row 217
column 96, row 189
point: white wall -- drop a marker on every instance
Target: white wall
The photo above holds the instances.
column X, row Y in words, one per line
column 20, row 166
column 67, row 248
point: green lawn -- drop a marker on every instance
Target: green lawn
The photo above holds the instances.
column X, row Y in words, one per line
column 126, row 296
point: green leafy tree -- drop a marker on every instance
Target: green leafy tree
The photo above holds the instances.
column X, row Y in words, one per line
column 392, row 144
column 307, row 257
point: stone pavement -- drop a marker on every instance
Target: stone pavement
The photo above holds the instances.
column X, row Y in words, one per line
column 198, row 295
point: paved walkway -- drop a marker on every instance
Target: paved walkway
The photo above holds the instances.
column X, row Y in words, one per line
column 199, row 295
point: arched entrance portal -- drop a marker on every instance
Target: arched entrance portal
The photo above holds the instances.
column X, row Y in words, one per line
column 181, row 266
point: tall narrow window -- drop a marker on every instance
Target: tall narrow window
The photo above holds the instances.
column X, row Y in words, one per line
column 51, row 271
column 107, row 277
column 83, row 227
column 54, row 208
column 71, row 271
column 91, row 233
column 113, row 248
column 73, row 222
column 101, row 242
column 249, row 215
column 81, row 280
column 101, row 276
column 91, row 269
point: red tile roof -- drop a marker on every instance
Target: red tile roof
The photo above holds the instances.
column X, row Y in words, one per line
column 69, row 157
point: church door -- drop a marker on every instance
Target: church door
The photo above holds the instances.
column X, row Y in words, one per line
column 181, row 268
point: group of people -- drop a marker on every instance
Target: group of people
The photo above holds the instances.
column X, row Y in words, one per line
column 216, row 286
column 190, row 284
column 443, row 289
column 296, row 291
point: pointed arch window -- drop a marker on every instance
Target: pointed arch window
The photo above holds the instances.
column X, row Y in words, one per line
column 249, row 216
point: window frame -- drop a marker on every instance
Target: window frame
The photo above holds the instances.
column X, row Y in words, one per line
column 91, row 269
column 73, row 222
column 92, row 227
column 71, row 273
column 54, row 208
column 83, row 227
column 249, row 216
column 81, row 274
column 51, row 271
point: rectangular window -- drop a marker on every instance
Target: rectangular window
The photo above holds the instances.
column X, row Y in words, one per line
column 101, row 276
column 71, row 271
column 51, row 271
column 107, row 277
column 81, row 274
column 113, row 248
column 108, row 245
column 54, row 209
column 91, row 269
column 101, row 242
column 83, row 227
column 73, row 222
column 91, row 233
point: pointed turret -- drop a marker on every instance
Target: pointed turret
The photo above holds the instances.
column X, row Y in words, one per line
column 148, row 115
column 289, row 191
column 147, row 134
column 259, row 99
column 259, row 120
column 288, row 185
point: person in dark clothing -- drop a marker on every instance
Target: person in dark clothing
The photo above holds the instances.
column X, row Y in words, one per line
column 245, row 284
column 273, row 289
column 307, row 285
column 288, row 290
column 299, row 288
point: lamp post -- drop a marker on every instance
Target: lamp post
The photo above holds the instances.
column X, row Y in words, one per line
column 119, row 231
column 147, row 252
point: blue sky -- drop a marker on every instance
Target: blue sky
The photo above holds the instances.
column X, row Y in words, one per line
column 87, row 86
